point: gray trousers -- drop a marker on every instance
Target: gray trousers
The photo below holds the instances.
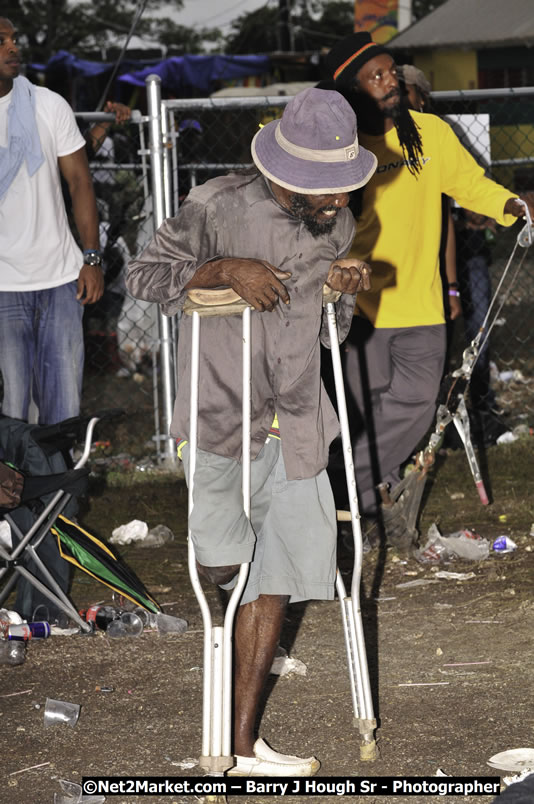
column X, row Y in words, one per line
column 392, row 378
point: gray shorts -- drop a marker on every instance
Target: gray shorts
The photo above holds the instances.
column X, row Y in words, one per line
column 291, row 538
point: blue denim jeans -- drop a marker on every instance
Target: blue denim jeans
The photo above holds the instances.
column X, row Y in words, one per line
column 41, row 352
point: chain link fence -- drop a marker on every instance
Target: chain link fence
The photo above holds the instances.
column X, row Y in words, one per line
column 203, row 138
column 497, row 126
column 121, row 333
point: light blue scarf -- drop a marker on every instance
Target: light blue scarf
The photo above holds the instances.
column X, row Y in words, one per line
column 23, row 141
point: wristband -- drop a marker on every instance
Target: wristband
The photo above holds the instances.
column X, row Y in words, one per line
column 454, row 292
column 454, row 285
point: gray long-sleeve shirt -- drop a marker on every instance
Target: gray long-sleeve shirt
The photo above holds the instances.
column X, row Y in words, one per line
column 238, row 216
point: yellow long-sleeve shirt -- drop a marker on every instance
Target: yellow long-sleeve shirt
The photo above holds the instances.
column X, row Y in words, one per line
column 400, row 229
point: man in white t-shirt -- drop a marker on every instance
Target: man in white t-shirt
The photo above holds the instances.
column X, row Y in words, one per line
column 44, row 278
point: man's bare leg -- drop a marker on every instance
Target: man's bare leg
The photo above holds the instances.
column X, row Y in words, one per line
column 257, row 634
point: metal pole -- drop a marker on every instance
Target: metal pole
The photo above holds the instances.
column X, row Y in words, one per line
column 167, row 120
column 153, row 84
column 174, row 140
column 404, row 14
column 167, row 168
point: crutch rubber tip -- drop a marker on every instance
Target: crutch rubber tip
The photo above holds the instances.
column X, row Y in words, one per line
column 482, row 492
column 217, row 764
column 368, row 751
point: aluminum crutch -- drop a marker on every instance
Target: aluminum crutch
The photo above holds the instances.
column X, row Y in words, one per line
column 452, row 407
column 216, row 755
column 362, row 701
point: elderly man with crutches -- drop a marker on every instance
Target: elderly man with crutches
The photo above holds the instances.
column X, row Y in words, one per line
column 274, row 235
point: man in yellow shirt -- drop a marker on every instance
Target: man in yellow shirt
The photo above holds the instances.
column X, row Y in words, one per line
column 396, row 349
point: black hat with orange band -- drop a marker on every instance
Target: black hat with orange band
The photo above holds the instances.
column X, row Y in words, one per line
column 349, row 54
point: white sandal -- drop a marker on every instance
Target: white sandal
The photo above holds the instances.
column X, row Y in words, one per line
column 267, row 762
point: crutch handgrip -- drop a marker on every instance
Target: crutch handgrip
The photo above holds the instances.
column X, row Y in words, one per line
column 330, row 296
column 214, row 301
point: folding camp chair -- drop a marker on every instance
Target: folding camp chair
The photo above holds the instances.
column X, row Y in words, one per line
column 43, row 499
column 217, row 693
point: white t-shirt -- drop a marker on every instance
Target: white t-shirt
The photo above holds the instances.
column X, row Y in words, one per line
column 37, row 248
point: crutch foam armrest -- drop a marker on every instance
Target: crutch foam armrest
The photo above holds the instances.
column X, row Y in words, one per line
column 214, row 301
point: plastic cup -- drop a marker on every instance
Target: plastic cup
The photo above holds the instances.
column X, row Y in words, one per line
column 147, row 617
column 128, row 624
column 72, row 794
column 60, row 712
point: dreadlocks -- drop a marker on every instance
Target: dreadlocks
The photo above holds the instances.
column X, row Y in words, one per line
column 366, row 110
column 408, row 134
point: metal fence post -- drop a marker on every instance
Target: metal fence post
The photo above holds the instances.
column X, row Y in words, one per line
column 153, row 83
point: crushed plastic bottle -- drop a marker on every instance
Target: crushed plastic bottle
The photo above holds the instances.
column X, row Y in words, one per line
column 5, row 622
column 465, row 544
column 8, row 618
column 167, row 624
column 12, row 653
column 72, row 794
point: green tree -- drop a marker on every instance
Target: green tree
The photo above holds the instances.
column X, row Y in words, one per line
column 255, row 32
column 312, row 25
column 46, row 26
column 420, row 8
column 322, row 22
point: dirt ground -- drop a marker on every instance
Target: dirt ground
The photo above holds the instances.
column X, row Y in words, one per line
column 449, row 660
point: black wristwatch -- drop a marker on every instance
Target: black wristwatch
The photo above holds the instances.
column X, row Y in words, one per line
column 92, row 256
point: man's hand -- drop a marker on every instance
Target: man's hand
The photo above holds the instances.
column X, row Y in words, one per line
column 90, row 284
column 513, row 207
column 256, row 281
column 455, row 307
column 349, row 276
column 122, row 113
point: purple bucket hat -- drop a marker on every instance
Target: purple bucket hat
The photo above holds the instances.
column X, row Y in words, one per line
column 313, row 149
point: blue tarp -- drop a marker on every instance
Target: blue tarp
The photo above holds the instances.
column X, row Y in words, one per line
column 199, row 71
column 176, row 72
column 63, row 60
